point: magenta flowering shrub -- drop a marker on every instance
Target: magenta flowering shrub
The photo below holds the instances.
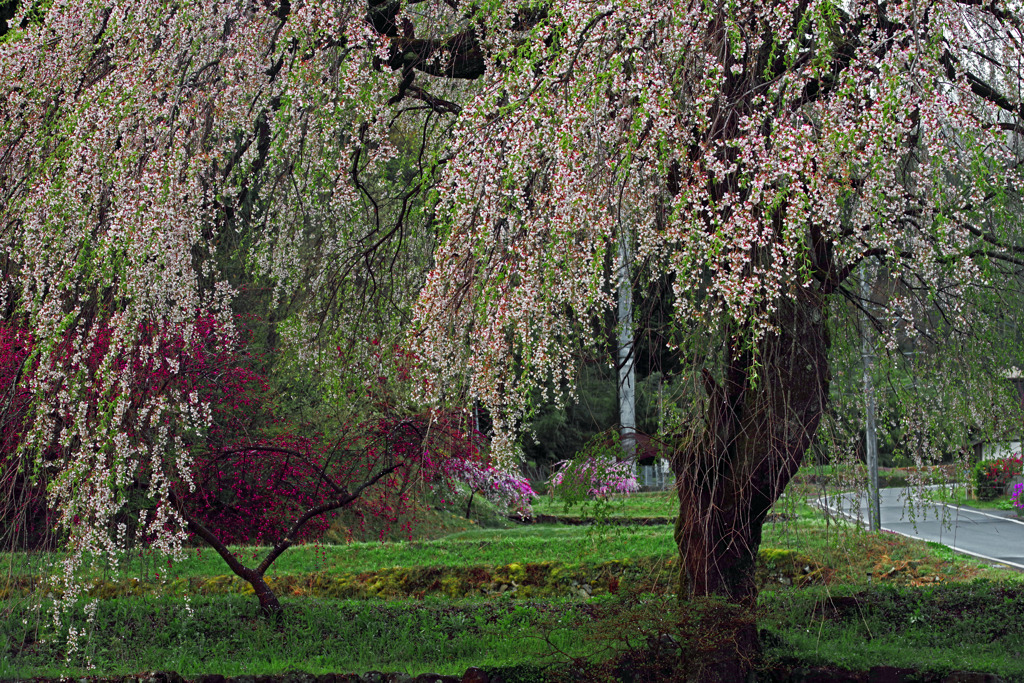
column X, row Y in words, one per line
column 252, row 488
column 1017, row 495
column 600, row 470
column 251, row 494
column 24, row 517
column 254, row 471
column 466, row 462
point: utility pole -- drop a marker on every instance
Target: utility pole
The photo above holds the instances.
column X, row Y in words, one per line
column 627, row 359
column 870, row 437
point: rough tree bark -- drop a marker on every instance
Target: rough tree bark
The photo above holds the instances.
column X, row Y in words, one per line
column 756, row 431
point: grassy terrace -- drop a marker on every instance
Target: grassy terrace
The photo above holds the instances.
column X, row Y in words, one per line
column 658, row 504
column 925, row 609
column 846, row 551
column 540, row 543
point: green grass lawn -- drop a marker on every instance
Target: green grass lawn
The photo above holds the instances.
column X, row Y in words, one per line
column 973, row 626
column 959, row 495
column 652, row 504
column 889, row 621
column 227, row 635
column 845, row 548
column 534, row 543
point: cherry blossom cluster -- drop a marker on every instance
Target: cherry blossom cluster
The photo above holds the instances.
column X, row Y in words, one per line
column 134, row 137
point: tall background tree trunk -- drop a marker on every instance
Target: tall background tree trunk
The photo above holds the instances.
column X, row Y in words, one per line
column 627, row 357
column 756, row 431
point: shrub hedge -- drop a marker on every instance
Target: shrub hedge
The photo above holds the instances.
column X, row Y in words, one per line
column 991, row 477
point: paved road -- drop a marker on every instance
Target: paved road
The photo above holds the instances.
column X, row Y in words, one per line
column 992, row 535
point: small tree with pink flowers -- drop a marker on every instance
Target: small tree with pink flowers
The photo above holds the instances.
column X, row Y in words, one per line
column 509, row 492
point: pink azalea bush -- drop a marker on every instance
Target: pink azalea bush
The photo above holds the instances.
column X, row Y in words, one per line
column 253, row 472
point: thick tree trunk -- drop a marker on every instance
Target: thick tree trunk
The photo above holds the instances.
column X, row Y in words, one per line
column 729, row 475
